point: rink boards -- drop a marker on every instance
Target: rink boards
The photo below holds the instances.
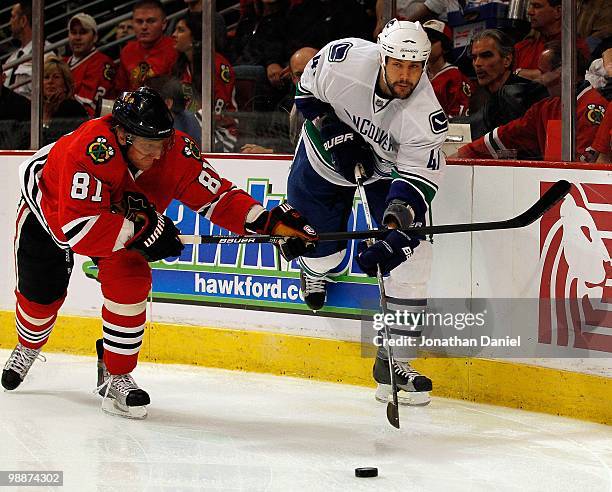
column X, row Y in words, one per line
column 238, row 307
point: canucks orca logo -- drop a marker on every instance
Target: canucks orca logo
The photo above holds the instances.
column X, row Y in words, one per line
column 438, row 122
column 100, row 150
column 191, row 149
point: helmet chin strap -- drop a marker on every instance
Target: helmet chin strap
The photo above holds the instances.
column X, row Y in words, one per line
column 383, row 67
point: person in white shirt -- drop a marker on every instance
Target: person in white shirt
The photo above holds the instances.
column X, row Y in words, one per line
column 21, row 29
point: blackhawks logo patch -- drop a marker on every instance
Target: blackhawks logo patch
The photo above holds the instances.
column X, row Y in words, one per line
column 467, row 90
column 191, row 149
column 108, row 71
column 100, row 150
column 225, row 73
column 595, row 113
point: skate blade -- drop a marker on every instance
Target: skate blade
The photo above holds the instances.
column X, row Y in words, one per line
column 113, row 407
column 404, row 398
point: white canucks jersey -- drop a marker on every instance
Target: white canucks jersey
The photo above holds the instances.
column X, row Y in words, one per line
column 406, row 135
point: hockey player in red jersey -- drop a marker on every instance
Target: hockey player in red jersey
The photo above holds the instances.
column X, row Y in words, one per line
column 452, row 88
column 92, row 71
column 151, row 53
column 528, row 134
column 99, row 192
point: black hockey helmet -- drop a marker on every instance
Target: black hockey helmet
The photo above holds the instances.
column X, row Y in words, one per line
column 143, row 113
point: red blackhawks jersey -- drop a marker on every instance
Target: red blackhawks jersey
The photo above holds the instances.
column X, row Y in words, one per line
column 527, row 52
column 136, row 63
column 603, row 138
column 71, row 184
column 453, row 90
column 226, row 127
column 528, row 133
column 93, row 78
column 224, row 87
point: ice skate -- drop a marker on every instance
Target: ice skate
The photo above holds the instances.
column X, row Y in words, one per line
column 413, row 387
column 18, row 365
column 314, row 291
column 121, row 395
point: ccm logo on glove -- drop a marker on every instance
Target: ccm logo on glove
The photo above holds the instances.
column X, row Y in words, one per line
column 338, row 140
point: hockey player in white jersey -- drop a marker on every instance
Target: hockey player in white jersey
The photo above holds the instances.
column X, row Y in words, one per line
column 372, row 103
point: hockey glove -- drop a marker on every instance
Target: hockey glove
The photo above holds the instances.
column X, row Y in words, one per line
column 286, row 221
column 155, row 235
column 394, row 249
column 346, row 147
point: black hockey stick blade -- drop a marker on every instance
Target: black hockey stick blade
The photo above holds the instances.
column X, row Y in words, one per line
column 548, row 200
column 393, row 413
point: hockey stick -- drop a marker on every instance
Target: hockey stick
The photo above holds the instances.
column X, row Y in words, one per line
column 554, row 194
column 393, row 405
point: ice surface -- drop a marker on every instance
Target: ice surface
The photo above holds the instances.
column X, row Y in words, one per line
column 221, row 430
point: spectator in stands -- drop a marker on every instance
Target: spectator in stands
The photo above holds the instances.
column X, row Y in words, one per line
column 402, row 9
column 452, row 88
column 260, row 41
column 603, row 138
column 545, row 18
column 169, row 88
column 21, row 30
column 297, row 63
column 594, row 21
column 195, row 7
column 433, row 9
column 92, row 70
column 501, row 95
column 188, row 70
column 317, row 22
column 14, row 118
column 124, row 29
column 528, row 134
column 151, row 53
column 62, row 113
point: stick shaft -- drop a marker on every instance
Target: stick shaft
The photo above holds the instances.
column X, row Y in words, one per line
column 392, row 413
column 539, row 208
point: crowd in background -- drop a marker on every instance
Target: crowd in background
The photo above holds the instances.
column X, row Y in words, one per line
column 505, row 83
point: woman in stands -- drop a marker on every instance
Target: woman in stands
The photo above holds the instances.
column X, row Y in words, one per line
column 62, row 113
column 188, row 69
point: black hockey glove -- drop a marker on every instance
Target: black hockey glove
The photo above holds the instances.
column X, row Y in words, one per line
column 155, row 235
column 286, row 221
column 346, row 147
column 395, row 248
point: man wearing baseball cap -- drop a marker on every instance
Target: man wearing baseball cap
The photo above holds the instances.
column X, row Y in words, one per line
column 452, row 88
column 92, row 70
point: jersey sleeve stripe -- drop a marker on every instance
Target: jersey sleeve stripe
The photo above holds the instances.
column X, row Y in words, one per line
column 491, row 147
column 412, row 176
column 80, row 231
column 422, row 187
column 300, row 92
column 74, row 226
column 29, row 172
column 497, row 140
column 315, row 139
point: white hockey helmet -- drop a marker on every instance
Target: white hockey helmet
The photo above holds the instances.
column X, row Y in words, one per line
column 404, row 40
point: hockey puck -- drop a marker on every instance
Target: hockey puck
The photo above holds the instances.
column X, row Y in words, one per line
column 366, row 472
